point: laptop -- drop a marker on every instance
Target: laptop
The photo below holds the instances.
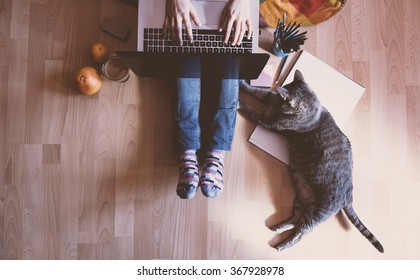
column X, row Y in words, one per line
column 151, row 15
column 159, row 57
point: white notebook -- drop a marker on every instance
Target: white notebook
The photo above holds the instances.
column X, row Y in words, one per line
column 336, row 92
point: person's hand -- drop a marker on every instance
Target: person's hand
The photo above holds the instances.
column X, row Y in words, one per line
column 179, row 12
column 236, row 15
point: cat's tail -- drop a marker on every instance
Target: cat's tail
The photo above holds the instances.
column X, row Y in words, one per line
column 351, row 214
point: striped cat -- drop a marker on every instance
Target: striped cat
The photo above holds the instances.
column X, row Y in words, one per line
column 320, row 157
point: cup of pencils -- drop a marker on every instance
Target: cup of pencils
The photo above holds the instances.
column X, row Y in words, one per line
column 287, row 38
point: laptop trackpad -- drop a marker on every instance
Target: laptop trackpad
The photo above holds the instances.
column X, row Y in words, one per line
column 209, row 11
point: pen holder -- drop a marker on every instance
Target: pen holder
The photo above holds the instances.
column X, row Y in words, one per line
column 287, row 38
column 278, row 51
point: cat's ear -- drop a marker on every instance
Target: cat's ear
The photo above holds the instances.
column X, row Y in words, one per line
column 284, row 93
column 298, row 76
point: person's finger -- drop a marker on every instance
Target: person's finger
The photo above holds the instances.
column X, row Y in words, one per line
column 236, row 33
column 173, row 31
column 228, row 29
column 194, row 16
column 165, row 27
column 187, row 24
column 222, row 21
column 241, row 34
column 178, row 30
column 249, row 26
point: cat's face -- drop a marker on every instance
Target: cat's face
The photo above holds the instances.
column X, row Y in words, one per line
column 297, row 98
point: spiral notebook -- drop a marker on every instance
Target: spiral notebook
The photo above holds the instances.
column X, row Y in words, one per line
column 336, row 92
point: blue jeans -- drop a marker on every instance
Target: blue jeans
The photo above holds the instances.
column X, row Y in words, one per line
column 206, row 113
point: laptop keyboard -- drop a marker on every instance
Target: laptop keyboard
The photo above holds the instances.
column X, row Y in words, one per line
column 204, row 41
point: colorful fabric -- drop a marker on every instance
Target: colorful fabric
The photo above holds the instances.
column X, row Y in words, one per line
column 306, row 12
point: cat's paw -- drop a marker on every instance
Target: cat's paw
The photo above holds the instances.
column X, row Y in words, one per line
column 244, row 85
column 247, row 112
column 241, row 106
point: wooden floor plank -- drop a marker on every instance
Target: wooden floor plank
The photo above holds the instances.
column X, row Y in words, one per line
column 17, row 88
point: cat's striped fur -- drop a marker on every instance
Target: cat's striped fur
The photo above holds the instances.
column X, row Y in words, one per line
column 320, row 157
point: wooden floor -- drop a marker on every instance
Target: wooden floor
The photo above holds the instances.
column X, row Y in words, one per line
column 94, row 177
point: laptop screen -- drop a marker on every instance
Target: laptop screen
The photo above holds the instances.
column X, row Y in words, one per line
column 170, row 65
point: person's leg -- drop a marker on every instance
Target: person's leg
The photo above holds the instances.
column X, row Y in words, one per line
column 187, row 130
column 220, row 100
column 187, row 123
